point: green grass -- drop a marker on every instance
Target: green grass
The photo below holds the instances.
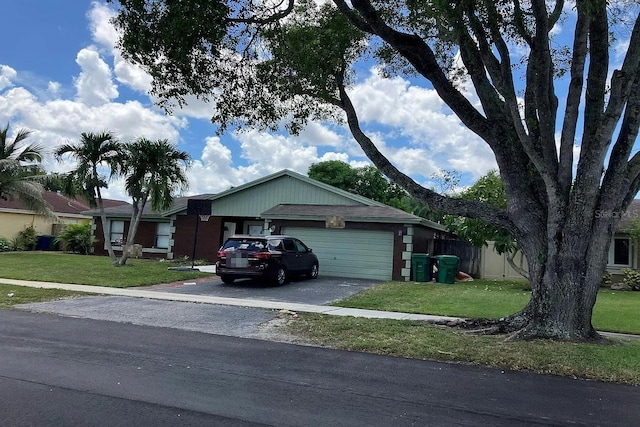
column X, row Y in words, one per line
column 615, row 311
column 616, row 363
column 464, row 299
column 11, row 295
column 89, row 270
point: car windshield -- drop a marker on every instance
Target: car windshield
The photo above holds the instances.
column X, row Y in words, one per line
column 253, row 245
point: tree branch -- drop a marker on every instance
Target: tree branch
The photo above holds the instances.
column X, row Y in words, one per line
column 572, row 108
column 274, row 17
column 423, row 59
column 468, row 208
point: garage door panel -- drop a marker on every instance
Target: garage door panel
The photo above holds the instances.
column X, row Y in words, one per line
column 349, row 253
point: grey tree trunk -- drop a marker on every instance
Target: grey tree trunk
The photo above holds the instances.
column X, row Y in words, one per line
column 133, row 229
column 105, row 228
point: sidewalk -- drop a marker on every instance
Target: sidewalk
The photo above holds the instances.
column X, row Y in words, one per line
column 251, row 303
column 203, row 299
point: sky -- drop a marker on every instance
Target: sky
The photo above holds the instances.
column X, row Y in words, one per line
column 61, row 75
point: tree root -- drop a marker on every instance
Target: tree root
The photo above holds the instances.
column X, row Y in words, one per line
column 515, row 328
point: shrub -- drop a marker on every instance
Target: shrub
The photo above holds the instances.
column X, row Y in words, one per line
column 76, row 238
column 5, row 245
column 26, row 240
column 631, row 279
column 607, row 280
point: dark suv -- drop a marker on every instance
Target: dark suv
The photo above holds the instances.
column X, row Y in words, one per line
column 272, row 258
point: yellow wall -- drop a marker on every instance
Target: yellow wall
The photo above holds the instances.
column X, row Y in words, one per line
column 11, row 223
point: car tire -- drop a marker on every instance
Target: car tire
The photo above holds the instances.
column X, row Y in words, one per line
column 227, row 279
column 313, row 273
column 280, row 278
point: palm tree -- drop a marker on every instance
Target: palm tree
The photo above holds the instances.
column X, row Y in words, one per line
column 154, row 171
column 20, row 173
column 93, row 152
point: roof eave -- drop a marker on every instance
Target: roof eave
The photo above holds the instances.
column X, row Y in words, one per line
column 413, row 221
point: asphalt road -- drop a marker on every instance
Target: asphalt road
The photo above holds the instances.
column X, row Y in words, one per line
column 57, row 370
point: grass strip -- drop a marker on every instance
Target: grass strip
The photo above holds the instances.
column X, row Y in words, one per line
column 11, row 295
column 618, row 362
column 89, row 270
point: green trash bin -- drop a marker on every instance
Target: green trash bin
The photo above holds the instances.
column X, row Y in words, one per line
column 447, row 268
column 420, row 267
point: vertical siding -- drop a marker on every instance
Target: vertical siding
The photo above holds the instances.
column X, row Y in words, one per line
column 284, row 190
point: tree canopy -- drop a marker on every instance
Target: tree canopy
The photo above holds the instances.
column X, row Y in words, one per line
column 93, row 153
column 21, row 175
column 366, row 181
column 262, row 62
column 154, row 171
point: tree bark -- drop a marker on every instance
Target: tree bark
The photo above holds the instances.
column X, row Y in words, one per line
column 105, row 228
column 136, row 215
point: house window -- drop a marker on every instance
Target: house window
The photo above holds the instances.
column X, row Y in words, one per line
column 116, row 233
column 620, row 252
column 163, row 235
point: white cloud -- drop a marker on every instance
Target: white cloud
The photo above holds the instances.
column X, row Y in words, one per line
column 317, row 134
column 7, row 75
column 421, row 135
column 94, row 84
column 103, row 32
column 106, row 37
column 53, row 88
column 272, row 153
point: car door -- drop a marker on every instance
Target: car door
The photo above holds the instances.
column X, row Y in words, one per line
column 305, row 256
column 291, row 256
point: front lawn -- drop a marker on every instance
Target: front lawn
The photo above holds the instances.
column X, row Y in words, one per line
column 89, row 270
column 615, row 311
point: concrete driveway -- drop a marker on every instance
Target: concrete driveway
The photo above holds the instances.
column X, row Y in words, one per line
column 320, row 291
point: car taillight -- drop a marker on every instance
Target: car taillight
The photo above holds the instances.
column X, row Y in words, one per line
column 262, row 255
column 222, row 254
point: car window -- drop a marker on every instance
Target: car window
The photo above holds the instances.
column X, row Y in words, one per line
column 301, row 246
column 252, row 245
column 289, row 245
column 275, row 245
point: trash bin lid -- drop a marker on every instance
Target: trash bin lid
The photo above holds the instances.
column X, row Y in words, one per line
column 448, row 259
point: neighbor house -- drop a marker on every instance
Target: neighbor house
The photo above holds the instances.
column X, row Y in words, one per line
column 624, row 251
column 15, row 217
column 353, row 236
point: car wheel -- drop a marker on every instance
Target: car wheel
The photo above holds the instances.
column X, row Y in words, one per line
column 313, row 273
column 227, row 279
column 280, row 277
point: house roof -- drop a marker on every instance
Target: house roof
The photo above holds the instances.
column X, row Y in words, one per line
column 632, row 213
column 285, row 172
column 58, row 203
column 359, row 213
column 124, row 210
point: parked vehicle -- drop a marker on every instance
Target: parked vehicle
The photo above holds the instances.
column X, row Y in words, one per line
column 271, row 258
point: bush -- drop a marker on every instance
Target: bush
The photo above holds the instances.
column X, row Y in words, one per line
column 26, row 240
column 631, row 279
column 76, row 238
column 5, row 245
column 607, row 280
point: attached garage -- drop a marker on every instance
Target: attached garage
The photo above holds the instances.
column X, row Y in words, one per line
column 365, row 254
column 358, row 241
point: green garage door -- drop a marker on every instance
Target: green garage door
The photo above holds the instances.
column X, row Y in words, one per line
column 359, row 254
